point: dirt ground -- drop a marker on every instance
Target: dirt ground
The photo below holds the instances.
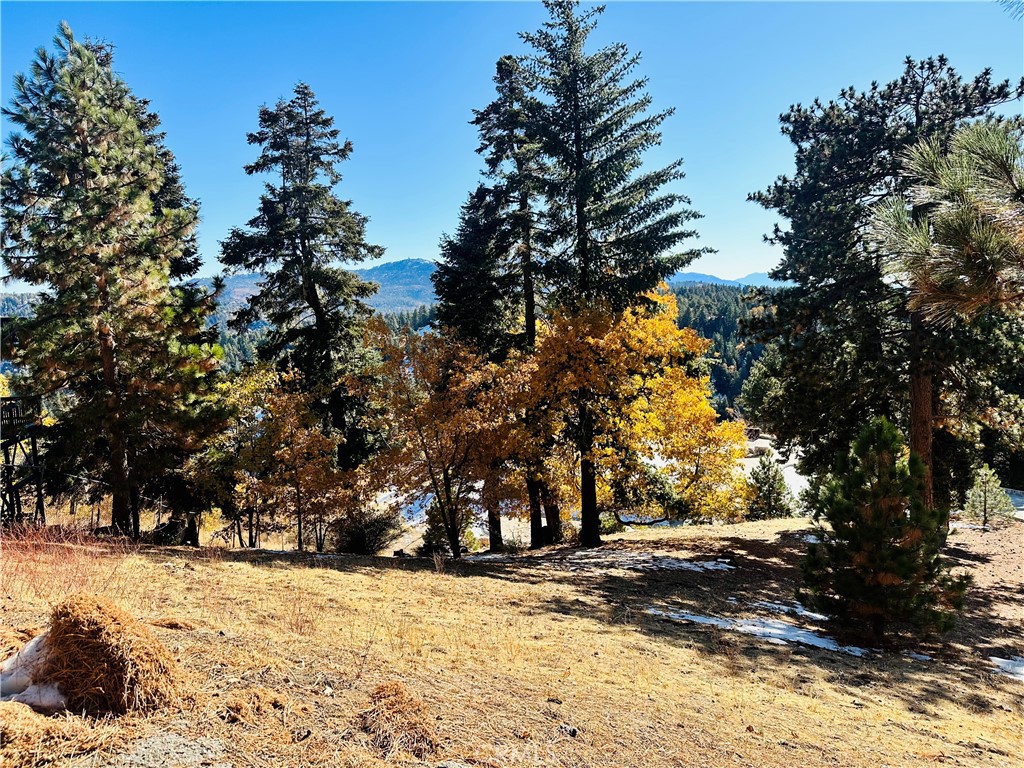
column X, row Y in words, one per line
column 556, row 658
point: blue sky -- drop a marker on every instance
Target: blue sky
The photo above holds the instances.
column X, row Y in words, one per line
column 401, row 80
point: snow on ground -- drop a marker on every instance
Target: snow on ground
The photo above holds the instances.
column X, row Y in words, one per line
column 792, row 609
column 582, row 559
column 16, row 672
column 636, row 561
column 773, row 630
column 1013, row 666
column 960, row 526
column 16, row 675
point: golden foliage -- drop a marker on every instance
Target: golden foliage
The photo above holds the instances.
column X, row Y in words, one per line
column 651, row 413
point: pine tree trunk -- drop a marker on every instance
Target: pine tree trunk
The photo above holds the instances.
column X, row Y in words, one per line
column 136, row 503
column 536, row 519
column 120, row 488
column 590, row 524
column 921, row 403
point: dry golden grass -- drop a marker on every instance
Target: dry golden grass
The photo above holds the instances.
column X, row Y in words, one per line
column 28, row 740
column 531, row 663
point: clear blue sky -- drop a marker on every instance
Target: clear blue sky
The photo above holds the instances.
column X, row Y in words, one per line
column 401, row 80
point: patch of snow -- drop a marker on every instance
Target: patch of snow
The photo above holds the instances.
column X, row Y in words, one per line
column 958, row 526
column 16, row 675
column 792, row 609
column 811, row 538
column 636, row 561
column 772, row 630
column 494, row 557
column 1013, row 666
column 918, row 656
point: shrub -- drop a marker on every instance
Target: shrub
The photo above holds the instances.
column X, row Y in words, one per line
column 878, row 562
column 365, row 531
column 769, row 495
column 987, row 499
column 435, row 537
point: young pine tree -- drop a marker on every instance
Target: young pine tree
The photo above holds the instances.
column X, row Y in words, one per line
column 878, row 562
column 769, row 495
column 986, row 498
column 316, row 309
column 610, row 225
column 90, row 217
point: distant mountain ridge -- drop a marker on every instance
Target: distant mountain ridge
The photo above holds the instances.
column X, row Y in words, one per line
column 755, row 279
column 404, row 286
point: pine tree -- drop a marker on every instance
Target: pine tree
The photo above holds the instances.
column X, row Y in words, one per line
column 878, row 562
column 851, row 347
column 769, row 495
column 90, row 216
column 965, row 255
column 986, row 498
column 316, row 310
column 473, row 286
column 514, row 163
column 608, row 224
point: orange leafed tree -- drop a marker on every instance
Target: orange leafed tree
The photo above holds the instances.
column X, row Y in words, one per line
column 433, row 394
column 301, row 479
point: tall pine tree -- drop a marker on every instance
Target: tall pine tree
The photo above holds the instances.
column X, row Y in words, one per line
column 608, row 222
column 850, row 345
column 302, row 232
column 94, row 214
column 509, row 265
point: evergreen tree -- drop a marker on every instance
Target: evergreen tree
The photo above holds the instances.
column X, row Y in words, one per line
column 769, row 495
column 514, row 163
column 501, row 268
column 986, row 498
column 608, row 224
column 851, row 347
column 90, row 216
column 474, row 288
column 315, row 309
column 878, row 561
column 966, row 254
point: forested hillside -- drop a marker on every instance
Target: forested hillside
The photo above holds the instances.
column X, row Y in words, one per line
column 715, row 312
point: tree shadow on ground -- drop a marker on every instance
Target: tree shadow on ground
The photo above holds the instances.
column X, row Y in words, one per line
column 612, row 589
column 767, row 571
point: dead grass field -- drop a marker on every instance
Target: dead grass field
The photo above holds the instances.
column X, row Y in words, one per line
column 545, row 660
